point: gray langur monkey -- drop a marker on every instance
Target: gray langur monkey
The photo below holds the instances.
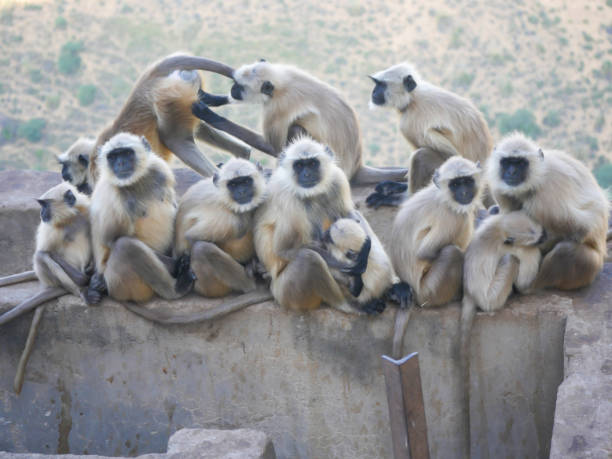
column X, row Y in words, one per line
column 433, row 228
column 561, row 194
column 437, row 122
column 61, row 259
column 306, row 194
column 503, row 253
column 75, row 164
column 294, row 104
column 132, row 222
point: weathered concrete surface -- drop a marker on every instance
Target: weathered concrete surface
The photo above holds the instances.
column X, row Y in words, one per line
column 192, row 444
column 104, row 381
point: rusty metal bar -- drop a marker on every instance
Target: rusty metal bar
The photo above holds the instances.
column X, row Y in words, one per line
column 406, row 408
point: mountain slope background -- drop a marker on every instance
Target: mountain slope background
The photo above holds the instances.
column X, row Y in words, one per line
column 67, row 66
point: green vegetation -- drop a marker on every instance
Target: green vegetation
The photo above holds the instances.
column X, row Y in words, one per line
column 52, row 102
column 69, row 60
column 6, row 16
column 33, row 7
column 464, row 80
column 456, row 41
column 521, row 120
column 506, row 90
column 36, row 75
column 552, row 119
column 32, row 129
column 603, row 174
column 61, row 23
column 86, row 94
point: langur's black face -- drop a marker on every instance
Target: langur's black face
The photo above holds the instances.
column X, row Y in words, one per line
column 241, row 189
column 122, row 161
column 307, row 172
column 378, row 93
column 66, row 175
column 463, row 189
column 513, row 170
column 45, row 210
column 237, row 90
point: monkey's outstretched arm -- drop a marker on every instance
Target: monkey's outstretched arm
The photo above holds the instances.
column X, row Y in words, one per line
column 440, row 142
column 212, row 100
column 189, row 153
column 169, row 317
column 79, row 278
column 18, row 278
column 220, row 139
column 201, row 110
column 49, row 293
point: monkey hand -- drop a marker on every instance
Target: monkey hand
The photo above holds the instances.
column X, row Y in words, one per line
column 361, row 263
column 374, row 306
column 98, row 283
column 185, row 277
column 91, row 296
column 400, row 293
column 389, row 187
column 211, row 99
column 378, row 199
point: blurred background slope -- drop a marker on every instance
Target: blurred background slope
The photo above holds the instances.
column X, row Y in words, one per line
column 545, row 68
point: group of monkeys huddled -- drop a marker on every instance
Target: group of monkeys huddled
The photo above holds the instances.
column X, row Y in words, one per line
column 296, row 226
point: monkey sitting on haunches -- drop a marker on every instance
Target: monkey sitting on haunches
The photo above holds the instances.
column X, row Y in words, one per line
column 132, row 222
column 432, row 229
column 437, row 122
column 561, row 194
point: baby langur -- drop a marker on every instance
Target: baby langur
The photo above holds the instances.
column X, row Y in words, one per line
column 502, row 253
column 61, row 259
column 437, row 122
column 432, row 229
column 75, row 164
column 561, row 194
column 306, row 193
column 295, row 103
column 132, row 222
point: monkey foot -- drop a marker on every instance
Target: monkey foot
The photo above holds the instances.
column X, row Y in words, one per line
column 374, row 307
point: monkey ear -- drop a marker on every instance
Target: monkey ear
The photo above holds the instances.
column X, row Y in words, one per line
column 267, row 88
column 69, row 198
column 409, row 83
column 329, row 151
column 436, row 178
column 509, row 240
column 215, row 178
column 83, row 160
column 145, row 142
column 373, row 79
column 540, row 153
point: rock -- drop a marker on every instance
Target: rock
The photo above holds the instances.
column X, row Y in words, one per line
column 220, row 444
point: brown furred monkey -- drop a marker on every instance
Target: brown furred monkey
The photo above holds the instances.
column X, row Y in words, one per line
column 132, row 223
column 432, row 229
column 437, row 122
column 295, row 103
column 306, row 194
column 61, row 258
column 502, row 253
column 561, row 194
column 159, row 108
column 214, row 225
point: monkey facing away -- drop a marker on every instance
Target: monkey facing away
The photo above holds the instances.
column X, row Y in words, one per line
column 306, row 194
column 214, row 225
column 159, row 108
column 61, row 259
column 503, row 253
column 561, row 194
column 296, row 103
column 75, row 164
column 437, row 122
column 432, row 229
column 132, row 222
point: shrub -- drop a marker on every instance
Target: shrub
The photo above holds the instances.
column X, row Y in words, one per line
column 521, row 120
column 36, row 76
column 86, row 94
column 464, row 80
column 603, row 174
column 506, row 90
column 61, row 22
column 52, row 102
column 552, row 119
column 32, row 129
column 69, row 60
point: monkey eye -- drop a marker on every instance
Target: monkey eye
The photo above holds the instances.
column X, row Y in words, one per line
column 351, row 255
column 298, row 165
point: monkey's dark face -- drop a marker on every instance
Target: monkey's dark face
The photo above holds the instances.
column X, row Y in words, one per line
column 66, row 175
column 307, row 172
column 236, row 91
column 378, row 93
column 122, row 161
column 513, row 170
column 241, row 189
column 45, row 209
column 463, row 189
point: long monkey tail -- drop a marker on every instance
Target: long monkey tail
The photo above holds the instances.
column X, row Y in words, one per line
column 47, row 294
column 402, row 317
column 18, row 278
column 468, row 311
column 236, row 304
column 187, row 62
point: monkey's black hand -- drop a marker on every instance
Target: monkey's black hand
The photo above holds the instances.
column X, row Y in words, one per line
column 185, row 277
column 361, row 263
column 389, row 187
column 377, row 199
column 202, row 111
column 212, row 99
column 494, row 210
column 91, row 296
column 400, row 293
column 374, row 306
column 181, row 265
column 98, row 283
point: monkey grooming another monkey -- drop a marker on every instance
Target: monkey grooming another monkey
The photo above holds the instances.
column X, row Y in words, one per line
column 132, row 222
column 294, row 104
column 437, row 122
column 502, row 253
column 432, row 229
column 214, row 225
column 61, row 258
column 561, row 194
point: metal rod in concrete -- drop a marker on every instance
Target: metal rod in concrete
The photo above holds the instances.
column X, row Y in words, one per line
column 406, row 407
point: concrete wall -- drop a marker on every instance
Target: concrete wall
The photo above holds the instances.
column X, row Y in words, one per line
column 103, row 381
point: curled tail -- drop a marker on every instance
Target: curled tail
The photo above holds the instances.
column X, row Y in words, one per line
column 468, row 311
column 169, row 317
column 367, row 175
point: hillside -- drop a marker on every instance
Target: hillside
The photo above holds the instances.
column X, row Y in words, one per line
column 67, row 66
